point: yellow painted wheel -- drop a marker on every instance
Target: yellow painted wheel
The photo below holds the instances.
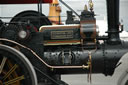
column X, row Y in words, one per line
column 15, row 68
column 9, row 73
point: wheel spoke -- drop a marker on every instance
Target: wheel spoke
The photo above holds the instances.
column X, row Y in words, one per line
column 2, row 64
column 10, row 72
column 14, row 80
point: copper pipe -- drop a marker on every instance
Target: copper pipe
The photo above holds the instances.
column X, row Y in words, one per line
column 52, row 67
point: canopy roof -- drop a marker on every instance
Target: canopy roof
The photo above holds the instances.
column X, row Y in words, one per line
column 23, row 1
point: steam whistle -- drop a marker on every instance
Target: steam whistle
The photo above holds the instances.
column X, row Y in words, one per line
column 85, row 7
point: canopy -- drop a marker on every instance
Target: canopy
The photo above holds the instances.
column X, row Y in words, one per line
column 23, row 1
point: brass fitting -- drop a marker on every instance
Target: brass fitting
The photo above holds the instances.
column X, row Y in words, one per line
column 91, row 5
column 85, row 8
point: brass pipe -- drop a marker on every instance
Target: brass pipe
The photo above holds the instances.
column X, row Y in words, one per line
column 49, row 66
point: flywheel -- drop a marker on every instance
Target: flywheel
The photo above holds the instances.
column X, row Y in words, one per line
column 35, row 18
column 15, row 68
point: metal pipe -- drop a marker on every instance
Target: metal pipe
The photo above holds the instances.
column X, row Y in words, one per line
column 113, row 21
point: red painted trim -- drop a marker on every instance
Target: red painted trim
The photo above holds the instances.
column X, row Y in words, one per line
column 23, row 1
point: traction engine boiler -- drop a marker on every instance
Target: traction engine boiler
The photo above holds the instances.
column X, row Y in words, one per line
column 33, row 54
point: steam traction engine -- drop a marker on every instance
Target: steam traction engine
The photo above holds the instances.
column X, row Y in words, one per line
column 30, row 55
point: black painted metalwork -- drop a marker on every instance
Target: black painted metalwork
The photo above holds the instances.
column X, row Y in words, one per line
column 67, row 49
column 113, row 21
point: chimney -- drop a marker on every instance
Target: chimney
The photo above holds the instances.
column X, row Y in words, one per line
column 113, row 22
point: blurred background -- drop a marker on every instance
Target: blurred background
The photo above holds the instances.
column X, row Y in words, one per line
column 77, row 5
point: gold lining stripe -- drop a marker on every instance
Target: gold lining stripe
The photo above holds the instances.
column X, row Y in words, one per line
column 73, row 42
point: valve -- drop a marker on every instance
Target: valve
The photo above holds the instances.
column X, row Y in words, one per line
column 91, row 5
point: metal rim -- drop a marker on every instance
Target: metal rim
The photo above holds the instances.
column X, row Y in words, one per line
column 17, row 69
column 123, row 80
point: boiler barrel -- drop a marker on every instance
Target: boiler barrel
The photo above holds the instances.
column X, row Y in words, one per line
column 104, row 59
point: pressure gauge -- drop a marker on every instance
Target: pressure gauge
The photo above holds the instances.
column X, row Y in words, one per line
column 22, row 34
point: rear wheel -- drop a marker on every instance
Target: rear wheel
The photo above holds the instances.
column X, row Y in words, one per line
column 15, row 68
